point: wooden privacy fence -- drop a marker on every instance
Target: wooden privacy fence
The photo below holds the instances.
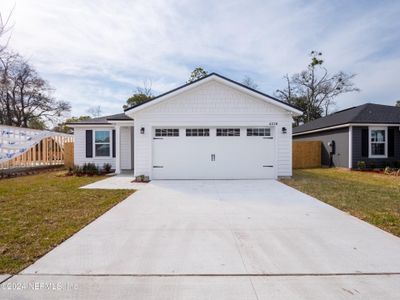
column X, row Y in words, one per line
column 69, row 154
column 306, row 154
column 26, row 148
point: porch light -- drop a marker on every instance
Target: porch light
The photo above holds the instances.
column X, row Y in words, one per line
column 142, row 130
column 284, row 130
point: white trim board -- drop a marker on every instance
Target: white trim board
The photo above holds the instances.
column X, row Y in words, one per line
column 350, row 147
column 94, row 143
column 346, row 125
column 370, row 128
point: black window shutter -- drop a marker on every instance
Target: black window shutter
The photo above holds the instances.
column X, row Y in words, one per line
column 113, row 143
column 364, row 142
column 89, row 143
column 391, row 142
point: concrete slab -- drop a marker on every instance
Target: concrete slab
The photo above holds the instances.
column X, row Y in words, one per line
column 119, row 287
column 4, row 277
column 202, row 287
column 246, row 238
column 123, row 181
column 328, row 287
column 223, row 227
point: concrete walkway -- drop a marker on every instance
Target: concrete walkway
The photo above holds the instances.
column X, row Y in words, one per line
column 252, row 239
column 122, row 181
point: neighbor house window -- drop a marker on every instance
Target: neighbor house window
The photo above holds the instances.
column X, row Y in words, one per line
column 258, row 131
column 197, row 132
column 378, row 142
column 167, row 132
column 228, row 131
column 102, row 143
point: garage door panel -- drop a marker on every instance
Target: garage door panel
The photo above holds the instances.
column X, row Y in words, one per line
column 244, row 158
column 213, row 157
column 177, row 158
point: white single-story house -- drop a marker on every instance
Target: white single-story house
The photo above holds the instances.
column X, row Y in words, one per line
column 212, row 128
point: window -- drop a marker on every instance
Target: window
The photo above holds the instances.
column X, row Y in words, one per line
column 167, row 132
column 197, row 132
column 228, row 131
column 102, row 143
column 378, row 142
column 258, row 131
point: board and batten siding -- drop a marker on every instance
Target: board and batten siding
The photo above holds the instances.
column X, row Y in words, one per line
column 379, row 162
column 80, row 148
column 211, row 105
column 341, row 138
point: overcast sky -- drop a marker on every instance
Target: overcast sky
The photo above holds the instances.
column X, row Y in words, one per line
column 97, row 52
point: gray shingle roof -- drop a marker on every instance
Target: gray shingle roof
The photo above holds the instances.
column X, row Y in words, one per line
column 366, row 113
column 104, row 120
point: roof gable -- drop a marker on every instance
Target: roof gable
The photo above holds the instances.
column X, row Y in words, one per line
column 213, row 97
column 222, row 80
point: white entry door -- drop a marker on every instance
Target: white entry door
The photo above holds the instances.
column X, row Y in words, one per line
column 213, row 153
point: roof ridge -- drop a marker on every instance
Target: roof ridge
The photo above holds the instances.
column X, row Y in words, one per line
column 362, row 109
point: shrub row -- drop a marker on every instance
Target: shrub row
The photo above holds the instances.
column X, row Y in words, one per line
column 89, row 169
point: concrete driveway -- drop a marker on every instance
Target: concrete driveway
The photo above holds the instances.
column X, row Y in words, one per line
column 250, row 239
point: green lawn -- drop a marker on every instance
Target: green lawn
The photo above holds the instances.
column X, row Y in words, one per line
column 374, row 198
column 38, row 212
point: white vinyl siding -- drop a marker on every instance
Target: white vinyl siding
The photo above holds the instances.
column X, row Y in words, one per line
column 80, row 149
column 80, row 145
column 212, row 105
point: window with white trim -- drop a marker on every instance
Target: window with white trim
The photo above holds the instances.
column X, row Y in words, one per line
column 167, row 132
column 102, row 140
column 197, row 132
column 258, row 131
column 378, row 142
column 228, row 131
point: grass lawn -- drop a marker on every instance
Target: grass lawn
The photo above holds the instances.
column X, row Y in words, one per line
column 38, row 212
column 374, row 198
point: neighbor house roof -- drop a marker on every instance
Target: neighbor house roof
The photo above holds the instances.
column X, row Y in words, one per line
column 103, row 120
column 368, row 113
column 183, row 87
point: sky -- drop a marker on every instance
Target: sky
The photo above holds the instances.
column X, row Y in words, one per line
column 97, row 52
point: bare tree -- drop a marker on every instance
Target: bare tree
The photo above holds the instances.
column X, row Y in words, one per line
column 94, row 111
column 141, row 95
column 397, row 103
column 249, row 82
column 146, row 89
column 25, row 96
column 5, row 27
column 315, row 88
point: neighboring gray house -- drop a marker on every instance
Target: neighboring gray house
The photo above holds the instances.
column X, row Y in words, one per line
column 369, row 132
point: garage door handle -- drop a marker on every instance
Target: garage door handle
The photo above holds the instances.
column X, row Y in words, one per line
column 268, row 166
column 212, row 157
column 158, row 167
column 268, row 137
column 158, row 138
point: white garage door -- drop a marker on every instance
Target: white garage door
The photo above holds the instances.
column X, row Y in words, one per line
column 213, row 153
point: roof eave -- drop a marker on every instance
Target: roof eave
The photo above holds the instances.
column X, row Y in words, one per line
column 86, row 124
column 347, row 124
